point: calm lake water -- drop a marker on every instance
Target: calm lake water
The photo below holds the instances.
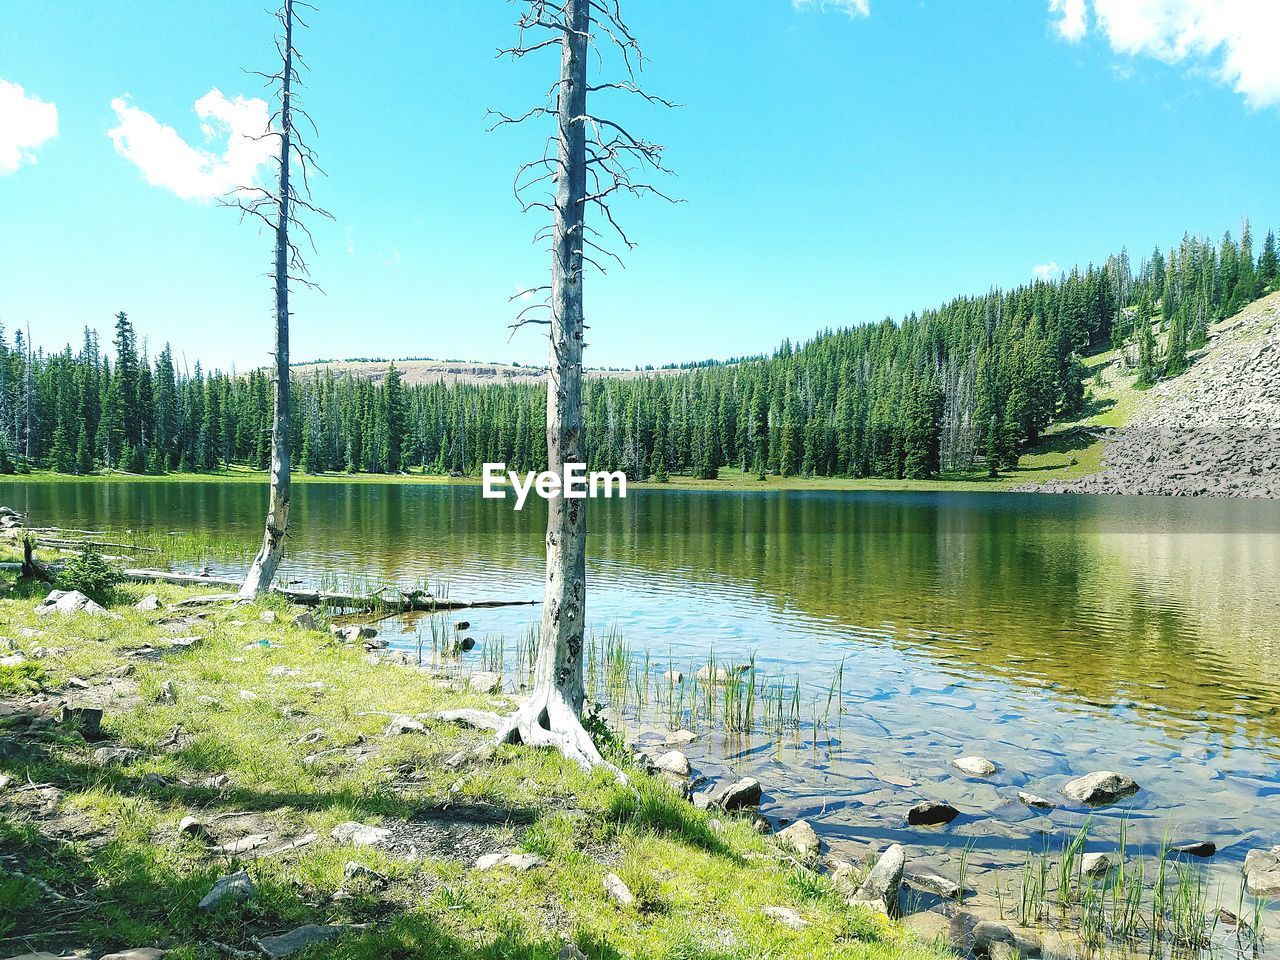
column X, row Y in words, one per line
column 1055, row 635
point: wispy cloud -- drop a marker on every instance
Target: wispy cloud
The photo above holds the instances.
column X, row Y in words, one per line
column 26, row 123
column 1046, row 271
column 852, row 8
column 1072, row 22
column 1235, row 40
column 197, row 173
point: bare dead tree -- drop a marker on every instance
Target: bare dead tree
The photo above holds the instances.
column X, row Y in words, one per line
column 279, row 210
column 588, row 162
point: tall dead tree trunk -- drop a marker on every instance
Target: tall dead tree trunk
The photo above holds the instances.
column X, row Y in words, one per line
column 587, row 170
column 278, row 210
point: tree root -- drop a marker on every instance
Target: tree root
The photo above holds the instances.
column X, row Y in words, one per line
column 548, row 721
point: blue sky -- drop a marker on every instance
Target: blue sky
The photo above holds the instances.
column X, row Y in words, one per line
column 841, row 161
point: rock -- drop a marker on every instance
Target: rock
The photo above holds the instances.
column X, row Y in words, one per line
column 786, row 916
column 360, row 834
column 267, row 616
column 1032, row 800
column 701, row 801
column 522, row 862
column 5, row 781
column 673, row 761
column 219, row 781
column 306, row 620
column 1095, row 864
column 248, row 696
column 933, row 883
column 313, row 736
column 148, row 603
column 243, row 845
column 66, row 602
column 1197, row 848
column 280, row 670
column 1262, row 872
column 108, row 756
column 192, row 827
column 168, row 693
column 571, row 952
column 1103, row 786
column 352, row 634
column 673, row 676
column 618, row 891
column 87, row 719
column 285, row 944
column 885, row 879
column 489, row 861
column 137, row 953
column 975, row 766
column 734, row 796
column 801, row 838
column 931, row 813
column 12, row 660
column 717, row 674
column 680, row 738
column 354, row 870
column 233, row 888
column 485, row 682
column 995, row 940
column 400, row 725
column 871, row 906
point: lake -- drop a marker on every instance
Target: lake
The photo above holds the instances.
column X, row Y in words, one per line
column 1055, row 635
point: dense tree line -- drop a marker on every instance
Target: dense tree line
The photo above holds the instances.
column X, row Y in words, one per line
column 951, row 389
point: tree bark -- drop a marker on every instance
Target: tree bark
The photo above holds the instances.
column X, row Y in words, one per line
column 551, row 716
column 263, row 571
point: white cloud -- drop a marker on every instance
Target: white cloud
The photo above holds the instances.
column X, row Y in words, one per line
column 1236, row 40
column 1046, row 271
column 197, row 173
column 852, row 8
column 1072, row 22
column 25, row 124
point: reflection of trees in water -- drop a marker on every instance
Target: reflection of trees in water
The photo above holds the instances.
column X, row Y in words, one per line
column 1158, row 601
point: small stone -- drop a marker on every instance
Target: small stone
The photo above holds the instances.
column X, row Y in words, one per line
column 148, row 603
column 871, row 906
column 109, row 756
column 248, row 696
column 233, row 888
column 933, row 883
column 485, row 682
column 137, row 953
column 353, row 634
column 87, row 719
column 489, row 861
column 1095, row 864
column 285, row 944
column 219, row 781
column 680, row 738
column 618, row 890
column 734, row 796
column 1032, row 800
column 701, row 801
column 571, row 952
column 168, row 693
column 673, row 761
column 707, row 673
column 5, row 781
column 673, row 676
column 1262, row 872
column 67, row 602
column 282, row 671
column 306, row 620
column 401, row 725
column 359, row 834
column 885, row 879
column 267, row 616
column 786, row 916
column 242, row 845
column 1198, row 848
column 192, row 827
column 522, row 862
column 313, row 736
column 931, row 813
column 802, row 839
column 1103, row 786
column 975, row 766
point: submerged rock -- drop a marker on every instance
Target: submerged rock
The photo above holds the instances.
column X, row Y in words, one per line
column 801, row 838
column 1095, row 864
column 1103, row 786
column 1197, row 848
column 351, row 634
column 933, row 883
column 1262, row 872
column 975, row 766
column 885, row 879
column 233, row 888
column 931, row 813
column 1033, row 800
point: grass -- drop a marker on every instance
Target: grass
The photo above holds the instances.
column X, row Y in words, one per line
column 108, row 845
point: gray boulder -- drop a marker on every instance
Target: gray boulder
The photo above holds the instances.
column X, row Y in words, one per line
column 801, row 838
column 885, row 879
column 1095, row 864
column 285, row 944
column 618, row 891
column 360, row 834
column 931, row 813
column 233, row 888
column 1034, row 800
column 673, row 761
column 485, row 682
column 1262, row 872
column 67, row 602
column 148, row 603
column 734, row 796
column 975, row 766
column 1102, row 786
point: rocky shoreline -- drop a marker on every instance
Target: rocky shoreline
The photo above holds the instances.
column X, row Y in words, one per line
column 1214, row 431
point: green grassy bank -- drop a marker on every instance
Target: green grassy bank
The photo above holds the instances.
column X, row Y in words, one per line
column 272, row 735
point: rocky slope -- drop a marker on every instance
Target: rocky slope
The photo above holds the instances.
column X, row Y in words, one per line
column 1213, row 431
